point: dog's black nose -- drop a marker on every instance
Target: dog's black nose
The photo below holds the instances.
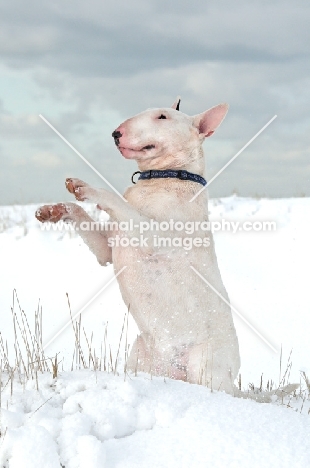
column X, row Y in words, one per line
column 116, row 135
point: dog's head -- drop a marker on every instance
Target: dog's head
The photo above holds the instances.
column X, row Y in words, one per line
column 166, row 138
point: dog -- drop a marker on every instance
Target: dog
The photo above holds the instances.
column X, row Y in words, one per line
column 186, row 328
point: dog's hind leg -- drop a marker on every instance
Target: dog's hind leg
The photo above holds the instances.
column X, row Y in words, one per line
column 216, row 369
column 140, row 358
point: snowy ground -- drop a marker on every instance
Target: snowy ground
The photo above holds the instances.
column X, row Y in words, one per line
column 100, row 420
column 97, row 421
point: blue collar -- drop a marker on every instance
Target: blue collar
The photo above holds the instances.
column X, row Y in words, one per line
column 169, row 173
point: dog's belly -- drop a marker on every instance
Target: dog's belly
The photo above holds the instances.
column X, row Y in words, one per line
column 171, row 303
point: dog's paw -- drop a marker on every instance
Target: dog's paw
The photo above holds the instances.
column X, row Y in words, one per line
column 78, row 188
column 52, row 213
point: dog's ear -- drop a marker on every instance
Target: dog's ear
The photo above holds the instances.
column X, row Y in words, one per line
column 176, row 104
column 208, row 121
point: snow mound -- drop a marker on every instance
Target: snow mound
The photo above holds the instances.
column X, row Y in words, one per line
column 98, row 420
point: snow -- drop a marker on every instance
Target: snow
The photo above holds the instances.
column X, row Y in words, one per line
column 85, row 418
column 97, row 420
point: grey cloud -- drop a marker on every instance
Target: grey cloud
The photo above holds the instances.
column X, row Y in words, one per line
column 97, row 63
column 129, row 41
column 27, row 126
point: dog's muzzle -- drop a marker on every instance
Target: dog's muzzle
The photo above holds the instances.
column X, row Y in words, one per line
column 116, row 135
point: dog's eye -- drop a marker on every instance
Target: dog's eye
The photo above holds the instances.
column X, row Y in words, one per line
column 162, row 116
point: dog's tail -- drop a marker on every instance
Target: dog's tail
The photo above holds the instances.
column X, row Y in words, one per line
column 266, row 396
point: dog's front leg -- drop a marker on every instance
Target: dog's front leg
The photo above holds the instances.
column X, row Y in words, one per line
column 82, row 223
column 118, row 209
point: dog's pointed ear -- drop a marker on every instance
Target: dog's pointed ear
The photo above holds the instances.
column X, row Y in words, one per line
column 208, row 121
column 176, row 104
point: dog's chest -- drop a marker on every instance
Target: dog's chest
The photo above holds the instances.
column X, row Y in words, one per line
column 162, row 281
column 167, row 199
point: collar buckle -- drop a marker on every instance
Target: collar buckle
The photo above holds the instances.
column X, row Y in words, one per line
column 182, row 175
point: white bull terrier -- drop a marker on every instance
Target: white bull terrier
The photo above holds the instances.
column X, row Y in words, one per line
column 187, row 330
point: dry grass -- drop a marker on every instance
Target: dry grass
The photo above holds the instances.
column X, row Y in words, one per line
column 285, row 392
column 26, row 358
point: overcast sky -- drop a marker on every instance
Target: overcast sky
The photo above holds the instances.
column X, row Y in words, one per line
column 87, row 66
